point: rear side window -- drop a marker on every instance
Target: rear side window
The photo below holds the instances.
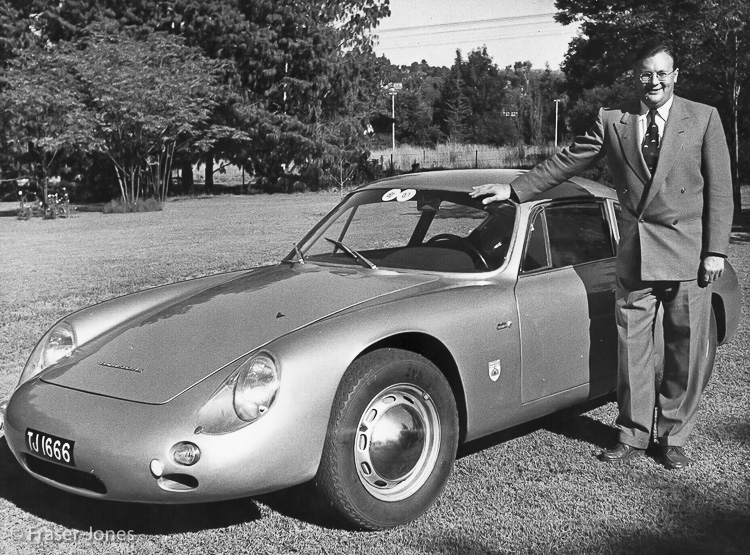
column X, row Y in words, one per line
column 578, row 233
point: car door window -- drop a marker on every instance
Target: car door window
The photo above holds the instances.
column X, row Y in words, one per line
column 578, row 233
column 537, row 256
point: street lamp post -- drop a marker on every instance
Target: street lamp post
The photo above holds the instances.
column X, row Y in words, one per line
column 557, row 103
column 393, row 117
column 393, row 89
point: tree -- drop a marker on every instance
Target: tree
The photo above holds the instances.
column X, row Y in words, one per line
column 137, row 98
column 12, row 32
column 303, row 69
column 487, row 105
column 454, row 110
column 487, row 90
column 723, row 56
column 415, row 102
column 43, row 110
column 293, row 65
column 149, row 94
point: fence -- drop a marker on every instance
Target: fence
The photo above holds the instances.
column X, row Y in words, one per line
column 407, row 158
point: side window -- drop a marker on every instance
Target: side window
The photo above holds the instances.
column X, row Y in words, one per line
column 536, row 256
column 578, row 233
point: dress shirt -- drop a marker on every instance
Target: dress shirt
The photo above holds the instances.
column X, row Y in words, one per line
column 662, row 113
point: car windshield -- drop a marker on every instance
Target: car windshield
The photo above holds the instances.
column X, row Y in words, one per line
column 423, row 230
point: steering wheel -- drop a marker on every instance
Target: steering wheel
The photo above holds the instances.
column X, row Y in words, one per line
column 465, row 245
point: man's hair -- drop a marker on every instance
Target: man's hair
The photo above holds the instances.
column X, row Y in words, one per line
column 652, row 48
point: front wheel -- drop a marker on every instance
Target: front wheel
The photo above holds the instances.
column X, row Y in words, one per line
column 391, row 440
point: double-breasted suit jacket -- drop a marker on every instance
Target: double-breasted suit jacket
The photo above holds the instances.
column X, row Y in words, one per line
column 669, row 220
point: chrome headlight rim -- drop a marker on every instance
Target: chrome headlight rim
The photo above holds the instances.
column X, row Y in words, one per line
column 249, row 381
column 219, row 414
column 61, row 337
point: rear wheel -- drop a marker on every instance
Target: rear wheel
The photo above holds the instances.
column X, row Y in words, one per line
column 711, row 346
column 391, row 440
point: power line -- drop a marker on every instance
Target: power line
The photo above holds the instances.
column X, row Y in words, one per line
column 508, row 20
column 475, row 32
column 472, row 30
column 476, row 40
column 401, row 42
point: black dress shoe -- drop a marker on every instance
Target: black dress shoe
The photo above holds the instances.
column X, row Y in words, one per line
column 620, row 453
column 674, row 458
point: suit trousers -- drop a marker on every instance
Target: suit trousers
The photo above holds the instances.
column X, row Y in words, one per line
column 686, row 365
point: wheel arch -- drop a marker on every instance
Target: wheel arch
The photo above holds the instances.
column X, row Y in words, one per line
column 436, row 352
column 717, row 303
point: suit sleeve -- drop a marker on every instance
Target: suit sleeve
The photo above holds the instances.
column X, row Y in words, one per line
column 718, row 207
column 572, row 160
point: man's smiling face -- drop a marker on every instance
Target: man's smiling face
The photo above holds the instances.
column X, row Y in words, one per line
column 655, row 93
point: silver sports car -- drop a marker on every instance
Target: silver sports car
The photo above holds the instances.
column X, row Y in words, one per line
column 410, row 320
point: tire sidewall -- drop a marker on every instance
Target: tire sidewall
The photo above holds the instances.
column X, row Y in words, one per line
column 365, row 379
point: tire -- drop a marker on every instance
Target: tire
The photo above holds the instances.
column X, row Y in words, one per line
column 370, row 477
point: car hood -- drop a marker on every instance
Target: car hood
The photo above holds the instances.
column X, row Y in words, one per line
column 160, row 352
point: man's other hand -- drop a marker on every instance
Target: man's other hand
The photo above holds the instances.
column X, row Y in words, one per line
column 710, row 269
column 494, row 192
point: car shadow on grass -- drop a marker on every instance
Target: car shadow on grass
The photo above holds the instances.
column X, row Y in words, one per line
column 571, row 423
column 82, row 513
column 301, row 503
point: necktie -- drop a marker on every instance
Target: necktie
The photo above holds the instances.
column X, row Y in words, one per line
column 651, row 142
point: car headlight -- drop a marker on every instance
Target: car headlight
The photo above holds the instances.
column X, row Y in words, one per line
column 256, row 387
column 59, row 342
column 246, row 395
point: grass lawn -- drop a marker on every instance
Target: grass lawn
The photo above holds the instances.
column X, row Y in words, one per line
column 538, row 489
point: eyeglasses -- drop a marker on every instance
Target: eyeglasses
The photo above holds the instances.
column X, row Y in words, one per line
column 646, row 76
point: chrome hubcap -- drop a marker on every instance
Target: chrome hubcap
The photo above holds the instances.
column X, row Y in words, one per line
column 397, row 443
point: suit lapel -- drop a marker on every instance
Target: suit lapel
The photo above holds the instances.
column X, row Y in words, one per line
column 678, row 124
column 627, row 131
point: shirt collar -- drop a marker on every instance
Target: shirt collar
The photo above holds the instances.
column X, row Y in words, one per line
column 663, row 110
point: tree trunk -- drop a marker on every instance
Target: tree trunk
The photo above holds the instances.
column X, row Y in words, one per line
column 734, row 151
column 209, row 172
column 187, row 174
column 734, row 154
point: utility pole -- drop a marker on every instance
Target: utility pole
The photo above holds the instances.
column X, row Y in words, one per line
column 557, row 103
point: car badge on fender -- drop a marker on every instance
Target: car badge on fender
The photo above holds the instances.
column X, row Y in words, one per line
column 495, row 369
column 121, row 367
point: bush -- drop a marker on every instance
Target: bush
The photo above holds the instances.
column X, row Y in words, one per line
column 141, row 205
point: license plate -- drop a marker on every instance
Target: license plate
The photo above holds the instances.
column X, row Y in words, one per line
column 50, row 447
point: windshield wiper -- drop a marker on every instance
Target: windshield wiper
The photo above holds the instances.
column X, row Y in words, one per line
column 298, row 252
column 354, row 254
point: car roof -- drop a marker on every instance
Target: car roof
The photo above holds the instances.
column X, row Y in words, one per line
column 463, row 180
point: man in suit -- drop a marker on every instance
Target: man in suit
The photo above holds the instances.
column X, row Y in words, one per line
column 670, row 164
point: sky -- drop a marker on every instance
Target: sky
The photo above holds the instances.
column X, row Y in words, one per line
column 512, row 30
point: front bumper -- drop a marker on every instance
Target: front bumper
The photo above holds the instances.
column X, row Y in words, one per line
column 116, row 442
